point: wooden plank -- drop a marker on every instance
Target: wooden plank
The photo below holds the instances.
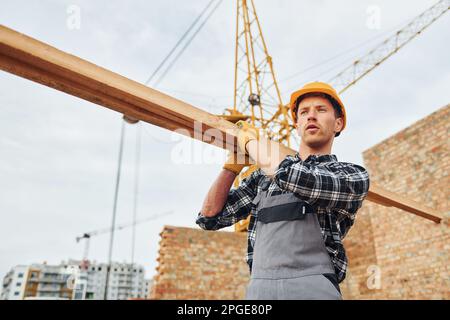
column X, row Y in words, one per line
column 389, row 199
column 34, row 60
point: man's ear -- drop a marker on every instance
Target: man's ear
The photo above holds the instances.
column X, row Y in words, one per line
column 338, row 124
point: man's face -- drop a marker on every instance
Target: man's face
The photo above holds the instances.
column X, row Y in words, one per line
column 316, row 121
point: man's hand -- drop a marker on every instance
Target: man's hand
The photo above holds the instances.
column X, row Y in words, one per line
column 236, row 162
column 246, row 133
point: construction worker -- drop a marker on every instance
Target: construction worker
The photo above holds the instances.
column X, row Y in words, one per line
column 301, row 206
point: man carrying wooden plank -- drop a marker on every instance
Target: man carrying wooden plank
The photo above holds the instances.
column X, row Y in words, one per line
column 301, row 205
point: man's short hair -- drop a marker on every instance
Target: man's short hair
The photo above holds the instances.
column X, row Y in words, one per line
column 334, row 103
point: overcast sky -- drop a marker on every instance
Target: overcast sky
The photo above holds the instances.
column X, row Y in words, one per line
column 58, row 154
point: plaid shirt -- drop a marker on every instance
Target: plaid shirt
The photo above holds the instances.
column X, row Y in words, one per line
column 334, row 189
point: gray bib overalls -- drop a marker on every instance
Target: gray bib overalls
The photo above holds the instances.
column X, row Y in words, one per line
column 289, row 257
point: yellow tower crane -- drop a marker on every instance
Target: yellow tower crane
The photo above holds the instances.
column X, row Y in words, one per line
column 257, row 96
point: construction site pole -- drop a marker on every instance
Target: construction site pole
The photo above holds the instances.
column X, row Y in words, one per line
column 113, row 223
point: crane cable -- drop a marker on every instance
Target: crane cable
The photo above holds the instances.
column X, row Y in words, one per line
column 136, row 187
column 179, row 43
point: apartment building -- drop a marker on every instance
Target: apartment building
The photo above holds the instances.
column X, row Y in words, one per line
column 75, row 280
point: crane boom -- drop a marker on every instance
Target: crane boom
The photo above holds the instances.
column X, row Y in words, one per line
column 361, row 67
column 364, row 65
column 87, row 236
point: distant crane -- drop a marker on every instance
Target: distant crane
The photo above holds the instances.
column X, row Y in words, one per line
column 87, row 236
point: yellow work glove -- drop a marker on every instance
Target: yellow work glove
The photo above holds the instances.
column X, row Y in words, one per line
column 246, row 133
column 235, row 163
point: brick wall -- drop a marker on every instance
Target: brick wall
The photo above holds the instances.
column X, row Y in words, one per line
column 410, row 253
column 197, row 264
column 392, row 254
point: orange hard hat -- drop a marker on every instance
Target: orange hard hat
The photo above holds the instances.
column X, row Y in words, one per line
column 313, row 87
